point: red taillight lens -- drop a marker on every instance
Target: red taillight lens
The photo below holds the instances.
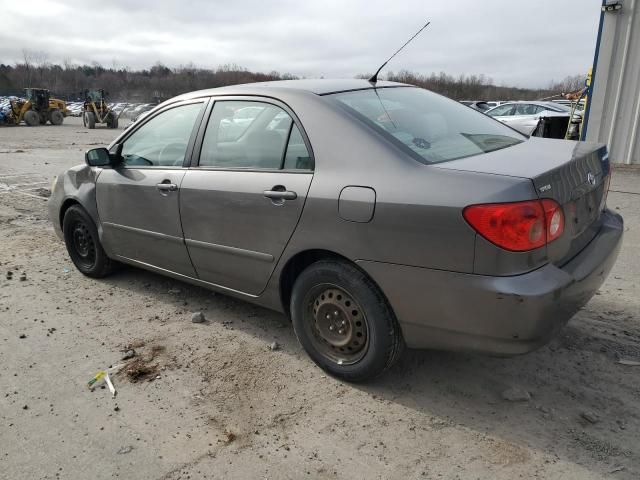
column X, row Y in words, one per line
column 518, row 226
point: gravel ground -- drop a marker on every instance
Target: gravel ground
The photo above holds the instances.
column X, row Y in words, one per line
column 217, row 400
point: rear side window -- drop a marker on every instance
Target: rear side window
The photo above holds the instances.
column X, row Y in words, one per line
column 256, row 135
column 428, row 126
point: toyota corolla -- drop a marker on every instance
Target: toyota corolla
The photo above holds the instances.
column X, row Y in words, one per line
column 374, row 215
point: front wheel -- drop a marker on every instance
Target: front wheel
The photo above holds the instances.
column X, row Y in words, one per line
column 344, row 322
column 83, row 243
column 89, row 120
column 31, row 118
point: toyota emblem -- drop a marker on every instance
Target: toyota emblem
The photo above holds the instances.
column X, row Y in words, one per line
column 591, row 178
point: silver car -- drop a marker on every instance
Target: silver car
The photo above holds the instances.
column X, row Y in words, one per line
column 374, row 216
column 525, row 116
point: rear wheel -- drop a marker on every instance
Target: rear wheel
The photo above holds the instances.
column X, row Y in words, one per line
column 89, row 120
column 344, row 322
column 56, row 117
column 83, row 243
column 31, row 118
column 112, row 121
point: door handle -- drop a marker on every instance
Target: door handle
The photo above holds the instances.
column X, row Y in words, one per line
column 280, row 195
column 167, row 187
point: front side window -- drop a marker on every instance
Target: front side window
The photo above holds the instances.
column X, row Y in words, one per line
column 528, row 109
column 162, row 141
column 502, row 111
column 249, row 134
column 430, row 127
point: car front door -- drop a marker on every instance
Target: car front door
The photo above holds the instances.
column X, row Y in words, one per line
column 138, row 201
column 502, row 112
column 241, row 201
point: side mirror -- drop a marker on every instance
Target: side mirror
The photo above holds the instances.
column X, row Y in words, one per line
column 98, row 157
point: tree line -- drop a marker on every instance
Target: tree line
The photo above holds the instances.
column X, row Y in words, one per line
column 479, row 87
column 160, row 82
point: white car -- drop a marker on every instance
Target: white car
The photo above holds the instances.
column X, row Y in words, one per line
column 525, row 116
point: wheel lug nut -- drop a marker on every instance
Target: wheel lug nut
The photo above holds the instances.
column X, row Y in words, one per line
column 343, row 323
column 331, row 327
column 341, row 331
column 328, row 316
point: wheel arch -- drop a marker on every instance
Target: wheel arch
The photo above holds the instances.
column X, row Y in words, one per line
column 301, row 260
column 66, row 204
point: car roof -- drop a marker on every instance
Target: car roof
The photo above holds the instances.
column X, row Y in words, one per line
column 316, row 86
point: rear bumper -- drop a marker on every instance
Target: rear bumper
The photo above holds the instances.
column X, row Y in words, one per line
column 499, row 315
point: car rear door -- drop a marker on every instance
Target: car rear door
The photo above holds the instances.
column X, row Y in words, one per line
column 138, row 201
column 243, row 196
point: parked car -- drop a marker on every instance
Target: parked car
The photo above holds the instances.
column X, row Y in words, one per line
column 134, row 113
column 525, row 116
column 375, row 218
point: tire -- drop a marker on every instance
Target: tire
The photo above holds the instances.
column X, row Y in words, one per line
column 56, row 117
column 31, row 118
column 343, row 321
column 112, row 122
column 89, row 120
column 83, row 243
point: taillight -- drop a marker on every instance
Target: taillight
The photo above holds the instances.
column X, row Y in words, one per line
column 518, row 226
column 554, row 219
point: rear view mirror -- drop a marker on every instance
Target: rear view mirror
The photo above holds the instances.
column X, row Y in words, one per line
column 98, row 157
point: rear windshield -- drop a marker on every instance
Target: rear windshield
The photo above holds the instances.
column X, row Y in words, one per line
column 430, row 127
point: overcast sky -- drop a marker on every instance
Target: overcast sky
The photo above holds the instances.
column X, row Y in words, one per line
column 523, row 43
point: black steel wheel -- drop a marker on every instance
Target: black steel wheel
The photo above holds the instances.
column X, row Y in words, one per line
column 343, row 321
column 338, row 325
column 83, row 243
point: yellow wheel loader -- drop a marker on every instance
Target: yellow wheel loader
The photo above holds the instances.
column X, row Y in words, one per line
column 96, row 110
column 37, row 108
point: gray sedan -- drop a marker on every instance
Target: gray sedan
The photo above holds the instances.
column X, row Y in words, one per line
column 375, row 217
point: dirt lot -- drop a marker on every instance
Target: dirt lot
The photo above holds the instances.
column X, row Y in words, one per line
column 212, row 400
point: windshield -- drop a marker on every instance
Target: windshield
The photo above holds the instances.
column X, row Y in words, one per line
column 430, row 127
column 94, row 95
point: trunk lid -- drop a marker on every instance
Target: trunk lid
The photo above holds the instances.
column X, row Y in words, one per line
column 574, row 174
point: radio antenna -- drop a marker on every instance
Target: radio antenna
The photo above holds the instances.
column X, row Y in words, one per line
column 374, row 78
